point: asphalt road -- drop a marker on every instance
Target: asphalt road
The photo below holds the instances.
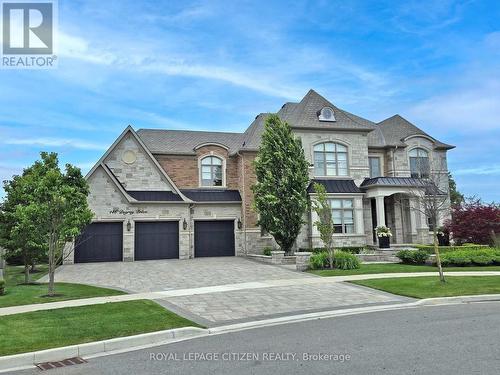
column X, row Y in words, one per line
column 457, row 339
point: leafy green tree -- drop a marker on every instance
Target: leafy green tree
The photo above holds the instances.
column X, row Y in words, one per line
column 282, row 179
column 19, row 238
column 456, row 198
column 55, row 205
column 324, row 223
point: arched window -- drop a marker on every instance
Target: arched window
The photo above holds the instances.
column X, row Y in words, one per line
column 211, row 171
column 419, row 163
column 326, row 114
column 330, row 159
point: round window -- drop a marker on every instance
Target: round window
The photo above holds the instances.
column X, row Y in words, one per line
column 129, row 157
column 327, row 113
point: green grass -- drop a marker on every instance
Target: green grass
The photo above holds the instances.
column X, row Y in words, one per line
column 76, row 325
column 396, row 268
column 18, row 294
column 430, row 286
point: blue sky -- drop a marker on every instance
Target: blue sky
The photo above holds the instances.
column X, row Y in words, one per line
column 215, row 65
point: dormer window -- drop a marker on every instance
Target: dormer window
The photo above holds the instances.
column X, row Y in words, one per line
column 326, row 114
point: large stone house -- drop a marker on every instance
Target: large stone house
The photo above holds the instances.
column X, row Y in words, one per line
column 160, row 194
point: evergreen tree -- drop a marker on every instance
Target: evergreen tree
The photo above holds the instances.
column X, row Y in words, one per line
column 282, row 180
column 456, row 198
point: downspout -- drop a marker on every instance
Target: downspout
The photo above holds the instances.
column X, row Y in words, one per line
column 191, row 247
column 243, row 198
column 394, row 161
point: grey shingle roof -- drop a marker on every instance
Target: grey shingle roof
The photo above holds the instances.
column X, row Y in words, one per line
column 160, row 141
column 305, row 115
column 390, row 132
column 396, row 128
column 335, row 186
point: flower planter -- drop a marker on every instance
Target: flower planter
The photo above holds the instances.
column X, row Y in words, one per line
column 384, row 242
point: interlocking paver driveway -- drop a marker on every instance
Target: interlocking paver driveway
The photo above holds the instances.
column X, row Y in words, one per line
column 157, row 275
column 250, row 304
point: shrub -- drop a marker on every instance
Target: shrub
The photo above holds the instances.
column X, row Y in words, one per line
column 267, row 250
column 319, row 260
column 342, row 260
column 346, row 261
column 2, row 287
column 412, row 256
column 445, row 249
column 347, row 249
column 479, row 257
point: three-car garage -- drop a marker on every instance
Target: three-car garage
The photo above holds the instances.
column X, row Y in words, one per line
column 103, row 241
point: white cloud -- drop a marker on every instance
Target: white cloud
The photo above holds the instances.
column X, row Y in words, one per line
column 56, row 142
column 480, row 170
column 466, row 109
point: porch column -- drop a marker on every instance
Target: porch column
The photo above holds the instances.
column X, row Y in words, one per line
column 380, row 210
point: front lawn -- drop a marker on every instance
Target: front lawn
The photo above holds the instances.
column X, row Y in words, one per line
column 430, row 286
column 18, row 294
column 367, row 268
column 76, row 325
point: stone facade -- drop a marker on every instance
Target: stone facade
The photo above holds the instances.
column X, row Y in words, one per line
column 142, row 174
column 139, row 167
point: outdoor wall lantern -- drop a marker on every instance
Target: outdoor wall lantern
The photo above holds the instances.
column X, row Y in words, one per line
column 129, row 225
column 239, row 224
column 184, row 224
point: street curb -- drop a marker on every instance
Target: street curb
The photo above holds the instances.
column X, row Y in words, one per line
column 25, row 360
column 130, row 343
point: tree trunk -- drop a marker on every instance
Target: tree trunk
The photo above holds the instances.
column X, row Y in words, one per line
column 27, row 278
column 52, row 263
column 438, row 258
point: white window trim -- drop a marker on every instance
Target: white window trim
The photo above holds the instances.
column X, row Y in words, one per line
column 353, row 209
column 223, row 159
column 340, row 142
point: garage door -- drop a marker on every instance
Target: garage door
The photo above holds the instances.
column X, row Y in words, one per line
column 100, row 242
column 214, row 238
column 157, row 240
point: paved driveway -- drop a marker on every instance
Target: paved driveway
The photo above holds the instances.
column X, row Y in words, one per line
column 217, row 291
column 158, row 275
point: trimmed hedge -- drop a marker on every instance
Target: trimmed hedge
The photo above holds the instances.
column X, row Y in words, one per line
column 445, row 249
column 342, row 260
column 482, row 257
column 413, row 256
column 347, row 249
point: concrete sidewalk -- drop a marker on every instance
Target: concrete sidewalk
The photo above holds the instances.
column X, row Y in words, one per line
column 268, row 286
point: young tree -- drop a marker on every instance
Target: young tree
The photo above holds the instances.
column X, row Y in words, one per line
column 56, row 206
column 433, row 203
column 19, row 238
column 324, row 223
column 282, row 180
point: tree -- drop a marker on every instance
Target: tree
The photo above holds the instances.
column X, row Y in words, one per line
column 474, row 221
column 433, row 203
column 456, row 198
column 282, row 179
column 18, row 237
column 324, row 223
column 55, row 204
